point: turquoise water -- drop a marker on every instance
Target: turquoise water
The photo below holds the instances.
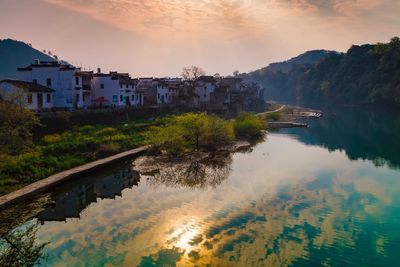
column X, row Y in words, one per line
column 323, row 196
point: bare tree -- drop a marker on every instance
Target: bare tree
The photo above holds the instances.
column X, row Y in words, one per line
column 16, row 124
column 236, row 73
column 17, row 97
column 192, row 73
column 20, row 248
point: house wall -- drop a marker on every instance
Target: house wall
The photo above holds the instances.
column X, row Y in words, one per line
column 164, row 95
column 11, row 92
column 78, row 92
column 61, row 82
column 111, row 91
column 204, row 91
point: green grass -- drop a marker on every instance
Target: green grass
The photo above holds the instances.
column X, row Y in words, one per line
column 174, row 133
column 58, row 152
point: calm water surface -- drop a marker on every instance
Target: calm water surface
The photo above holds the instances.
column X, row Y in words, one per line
column 323, row 196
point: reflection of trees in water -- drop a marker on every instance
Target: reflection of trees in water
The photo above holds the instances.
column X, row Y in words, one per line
column 203, row 173
column 362, row 133
column 19, row 247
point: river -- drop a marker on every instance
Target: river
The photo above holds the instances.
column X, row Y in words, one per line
column 327, row 195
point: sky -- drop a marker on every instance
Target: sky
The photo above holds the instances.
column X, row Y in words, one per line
column 160, row 37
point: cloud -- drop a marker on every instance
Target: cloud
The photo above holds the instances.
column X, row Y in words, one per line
column 334, row 7
column 169, row 17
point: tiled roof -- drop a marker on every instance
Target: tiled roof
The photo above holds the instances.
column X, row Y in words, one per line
column 48, row 64
column 209, row 79
column 29, row 87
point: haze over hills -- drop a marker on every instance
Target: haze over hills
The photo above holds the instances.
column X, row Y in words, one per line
column 365, row 74
column 309, row 57
column 14, row 54
column 274, row 76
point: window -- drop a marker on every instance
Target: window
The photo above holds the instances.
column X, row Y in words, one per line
column 115, row 98
column 77, row 80
column 127, row 86
column 48, row 82
column 83, row 97
column 102, row 85
column 120, row 98
column 34, row 81
column 77, row 97
column 48, row 96
column 205, row 96
column 133, row 98
column 29, row 98
column 158, row 96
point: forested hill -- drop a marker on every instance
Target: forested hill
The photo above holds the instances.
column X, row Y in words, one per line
column 366, row 74
column 14, row 54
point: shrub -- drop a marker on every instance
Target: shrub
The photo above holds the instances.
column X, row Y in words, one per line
column 169, row 138
column 217, row 132
column 52, row 138
column 16, row 125
column 105, row 150
column 248, row 125
column 274, row 116
column 191, row 131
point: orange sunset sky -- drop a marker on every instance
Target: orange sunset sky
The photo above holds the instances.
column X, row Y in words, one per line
column 159, row 37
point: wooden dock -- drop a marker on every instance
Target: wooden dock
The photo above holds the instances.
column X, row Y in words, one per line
column 51, row 181
column 287, row 124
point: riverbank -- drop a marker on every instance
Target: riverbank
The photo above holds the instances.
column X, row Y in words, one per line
column 60, row 152
column 51, row 181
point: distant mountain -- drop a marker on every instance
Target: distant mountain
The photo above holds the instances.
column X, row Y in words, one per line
column 14, row 54
column 309, row 57
column 365, row 74
column 273, row 77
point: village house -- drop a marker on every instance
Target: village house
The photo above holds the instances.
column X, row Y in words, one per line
column 167, row 89
column 129, row 89
column 148, row 87
column 83, row 89
column 106, row 90
column 77, row 89
column 55, row 75
column 30, row 95
column 204, row 86
column 116, row 90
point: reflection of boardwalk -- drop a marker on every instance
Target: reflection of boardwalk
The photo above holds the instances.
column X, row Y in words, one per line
column 70, row 204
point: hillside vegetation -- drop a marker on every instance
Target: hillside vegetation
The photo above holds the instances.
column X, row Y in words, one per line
column 15, row 54
column 366, row 74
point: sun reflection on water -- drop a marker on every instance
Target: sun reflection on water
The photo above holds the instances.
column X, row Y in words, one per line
column 184, row 234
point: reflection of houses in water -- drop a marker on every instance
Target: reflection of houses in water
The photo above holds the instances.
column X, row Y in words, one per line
column 70, row 203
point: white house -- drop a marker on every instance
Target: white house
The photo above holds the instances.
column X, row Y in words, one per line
column 106, row 90
column 31, row 95
column 54, row 75
column 164, row 92
column 204, row 87
column 132, row 96
column 83, row 89
column 115, row 89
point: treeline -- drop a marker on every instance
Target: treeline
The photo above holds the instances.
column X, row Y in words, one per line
column 366, row 74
